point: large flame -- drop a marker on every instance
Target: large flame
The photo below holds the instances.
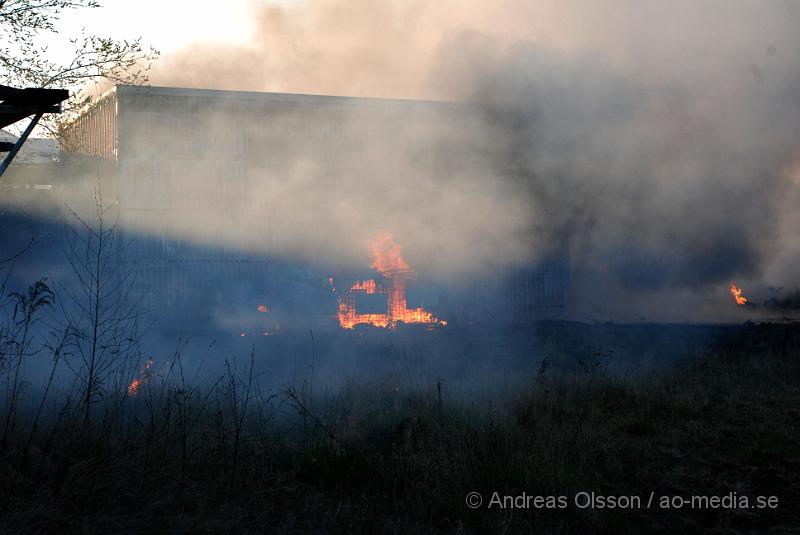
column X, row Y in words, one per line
column 390, row 263
column 388, row 254
column 737, row 295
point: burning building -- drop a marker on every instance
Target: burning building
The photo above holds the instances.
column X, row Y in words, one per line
column 144, row 141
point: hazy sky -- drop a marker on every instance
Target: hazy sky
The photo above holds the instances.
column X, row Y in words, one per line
column 165, row 25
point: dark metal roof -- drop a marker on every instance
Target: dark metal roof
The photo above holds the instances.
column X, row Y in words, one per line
column 16, row 104
column 221, row 94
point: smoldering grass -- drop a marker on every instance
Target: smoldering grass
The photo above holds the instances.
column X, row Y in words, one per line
column 397, row 455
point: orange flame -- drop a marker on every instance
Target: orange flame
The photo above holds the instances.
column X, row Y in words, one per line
column 144, row 376
column 367, row 286
column 390, row 263
column 388, row 254
column 737, row 295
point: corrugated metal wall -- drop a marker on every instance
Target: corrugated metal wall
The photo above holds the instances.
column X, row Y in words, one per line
column 94, row 132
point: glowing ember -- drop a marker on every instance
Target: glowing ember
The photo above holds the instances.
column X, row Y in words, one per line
column 737, row 295
column 144, row 376
column 396, row 271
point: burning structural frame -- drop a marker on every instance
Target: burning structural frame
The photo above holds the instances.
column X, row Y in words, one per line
column 138, row 138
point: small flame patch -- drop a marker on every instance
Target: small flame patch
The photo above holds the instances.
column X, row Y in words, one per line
column 144, row 377
column 737, row 295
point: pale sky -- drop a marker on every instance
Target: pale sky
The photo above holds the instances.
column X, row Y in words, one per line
column 164, row 24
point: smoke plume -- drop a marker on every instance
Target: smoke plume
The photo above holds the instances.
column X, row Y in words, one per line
column 660, row 139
